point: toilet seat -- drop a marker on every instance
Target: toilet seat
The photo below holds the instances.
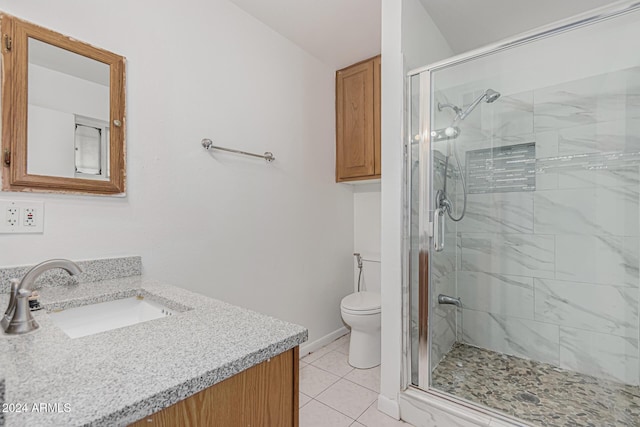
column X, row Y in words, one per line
column 361, row 303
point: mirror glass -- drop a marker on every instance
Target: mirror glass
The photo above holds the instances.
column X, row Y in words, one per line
column 68, row 113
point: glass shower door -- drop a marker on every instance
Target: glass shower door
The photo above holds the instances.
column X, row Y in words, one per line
column 524, row 191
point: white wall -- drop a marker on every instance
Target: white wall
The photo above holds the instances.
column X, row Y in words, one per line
column 366, row 220
column 422, row 41
column 277, row 237
column 406, row 39
column 366, row 234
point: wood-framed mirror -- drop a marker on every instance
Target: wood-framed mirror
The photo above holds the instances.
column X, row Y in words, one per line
column 63, row 112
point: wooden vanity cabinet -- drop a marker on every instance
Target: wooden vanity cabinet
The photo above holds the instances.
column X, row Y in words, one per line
column 358, row 121
column 264, row 395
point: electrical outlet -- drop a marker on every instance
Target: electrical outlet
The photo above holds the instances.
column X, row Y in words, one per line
column 21, row 216
column 12, row 216
column 29, row 216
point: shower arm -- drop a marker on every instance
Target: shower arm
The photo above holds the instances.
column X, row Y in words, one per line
column 470, row 108
column 455, row 108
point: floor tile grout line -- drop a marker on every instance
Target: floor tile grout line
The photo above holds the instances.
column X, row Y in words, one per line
column 338, row 411
column 345, row 375
column 319, row 367
column 328, row 387
column 310, row 399
column 326, row 370
column 347, row 415
column 324, row 389
column 340, row 377
column 364, row 386
column 332, row 373
column 366, row 409
column 368, row 406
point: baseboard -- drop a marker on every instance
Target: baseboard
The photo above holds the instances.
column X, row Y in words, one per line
column 316, row 345
column 389, row 406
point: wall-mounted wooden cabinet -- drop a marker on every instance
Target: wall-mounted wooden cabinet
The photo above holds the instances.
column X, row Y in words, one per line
column 358, row 121
column 264, row 395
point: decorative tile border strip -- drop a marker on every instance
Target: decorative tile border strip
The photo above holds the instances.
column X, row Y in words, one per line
column 588, row 161
column 502, row 169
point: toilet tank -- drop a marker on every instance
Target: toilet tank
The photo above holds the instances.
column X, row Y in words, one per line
column 370, row 280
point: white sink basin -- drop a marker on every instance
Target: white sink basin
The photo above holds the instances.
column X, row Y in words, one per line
column 94, row 318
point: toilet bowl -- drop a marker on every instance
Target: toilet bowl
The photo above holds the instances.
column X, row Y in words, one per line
column 361, row 312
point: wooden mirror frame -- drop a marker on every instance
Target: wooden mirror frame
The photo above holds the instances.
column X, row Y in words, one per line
column 15, row 62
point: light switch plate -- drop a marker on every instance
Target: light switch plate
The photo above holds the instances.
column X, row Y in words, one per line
column 21, row 216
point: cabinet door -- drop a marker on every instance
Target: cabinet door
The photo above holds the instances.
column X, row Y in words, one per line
column 264, row 395
column 377, row 119
column 355, row 121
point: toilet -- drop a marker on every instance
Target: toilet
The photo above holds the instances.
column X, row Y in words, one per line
column 361, row 312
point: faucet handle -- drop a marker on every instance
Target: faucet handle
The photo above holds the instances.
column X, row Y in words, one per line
column 22, row 321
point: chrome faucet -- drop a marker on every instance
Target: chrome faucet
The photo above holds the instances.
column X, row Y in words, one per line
column 17, row 319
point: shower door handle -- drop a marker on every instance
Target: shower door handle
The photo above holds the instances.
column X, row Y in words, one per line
column 438, row 230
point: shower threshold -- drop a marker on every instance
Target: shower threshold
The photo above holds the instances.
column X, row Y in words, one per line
column 537, row 393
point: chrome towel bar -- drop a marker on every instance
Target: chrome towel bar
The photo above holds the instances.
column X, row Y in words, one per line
column 208, row 144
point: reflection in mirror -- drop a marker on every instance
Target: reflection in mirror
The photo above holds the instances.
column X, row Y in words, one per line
column 91, row 148
column 63, row 105
column 67, row 130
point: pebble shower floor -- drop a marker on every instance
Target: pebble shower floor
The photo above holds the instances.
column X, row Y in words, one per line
column 537, row 393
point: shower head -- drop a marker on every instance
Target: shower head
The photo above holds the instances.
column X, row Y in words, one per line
column 452, row 131
column 488, row 96
column 491, row 95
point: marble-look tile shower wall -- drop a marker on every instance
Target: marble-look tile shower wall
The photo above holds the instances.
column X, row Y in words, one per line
column 553, row 274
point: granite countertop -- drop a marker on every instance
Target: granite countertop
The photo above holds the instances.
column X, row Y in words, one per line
column 117, row 377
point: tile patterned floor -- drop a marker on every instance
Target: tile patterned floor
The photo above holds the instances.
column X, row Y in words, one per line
column 334, row 394
column 538, row 393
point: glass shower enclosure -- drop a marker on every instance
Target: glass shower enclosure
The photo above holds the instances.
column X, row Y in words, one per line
column 523, row 184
